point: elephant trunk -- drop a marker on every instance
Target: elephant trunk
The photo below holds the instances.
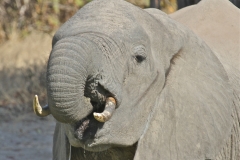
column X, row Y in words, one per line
column 66, row 78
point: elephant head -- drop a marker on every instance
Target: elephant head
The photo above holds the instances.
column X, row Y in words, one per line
column 170, row 94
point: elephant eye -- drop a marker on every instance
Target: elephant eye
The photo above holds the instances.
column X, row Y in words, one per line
column 140, row 58
column 139, row 53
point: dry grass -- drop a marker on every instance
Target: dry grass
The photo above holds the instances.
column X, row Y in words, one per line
column 30, row 15
column 48, row 15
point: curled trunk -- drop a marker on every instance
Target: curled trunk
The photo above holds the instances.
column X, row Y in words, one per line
column 66, row 77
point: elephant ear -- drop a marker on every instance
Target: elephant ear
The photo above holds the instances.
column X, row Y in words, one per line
column 61, row 145
column 191, row 118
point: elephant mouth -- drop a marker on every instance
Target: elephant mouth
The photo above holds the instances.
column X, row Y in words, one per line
column 86, row 129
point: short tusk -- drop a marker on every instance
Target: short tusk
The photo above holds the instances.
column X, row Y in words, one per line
column 38, row 110
column 108, row 111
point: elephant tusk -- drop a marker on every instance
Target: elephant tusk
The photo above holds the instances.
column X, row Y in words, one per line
column 38, row 110
column 108, row 111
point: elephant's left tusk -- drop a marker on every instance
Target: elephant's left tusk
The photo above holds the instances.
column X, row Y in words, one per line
column 108, row 111
column 38, row 110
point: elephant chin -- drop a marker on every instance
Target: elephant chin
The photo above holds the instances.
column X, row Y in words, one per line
column 85, row 139
column 83, row 128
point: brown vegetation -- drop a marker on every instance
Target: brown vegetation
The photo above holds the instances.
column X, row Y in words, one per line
column 29, row 15
column 47, row 15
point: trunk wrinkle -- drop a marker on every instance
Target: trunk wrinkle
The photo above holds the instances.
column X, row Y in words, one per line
column 65, row 77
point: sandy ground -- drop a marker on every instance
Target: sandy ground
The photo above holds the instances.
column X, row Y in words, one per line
column 27, row 138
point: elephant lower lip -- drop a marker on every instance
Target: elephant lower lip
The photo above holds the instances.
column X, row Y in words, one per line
column 81, row 126
column 86, row 128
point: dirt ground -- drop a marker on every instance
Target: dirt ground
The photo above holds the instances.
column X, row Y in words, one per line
column 23, row 135
column 27, row 138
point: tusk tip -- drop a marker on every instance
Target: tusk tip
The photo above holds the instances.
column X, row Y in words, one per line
column 111, row 99
column 99, row 117
column 38, row 110
column 35, row 100
column 35, row 104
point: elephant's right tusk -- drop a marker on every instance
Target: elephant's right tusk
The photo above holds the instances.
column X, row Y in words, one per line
column 108, row 111
column 38, row 110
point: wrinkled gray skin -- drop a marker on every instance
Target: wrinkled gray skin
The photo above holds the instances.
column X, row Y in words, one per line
column 175, row 98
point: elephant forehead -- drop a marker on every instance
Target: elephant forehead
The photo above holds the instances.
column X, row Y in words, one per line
column 107, row 17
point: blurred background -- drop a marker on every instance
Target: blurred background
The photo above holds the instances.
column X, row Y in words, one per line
column 26, row 31
column 48, row 15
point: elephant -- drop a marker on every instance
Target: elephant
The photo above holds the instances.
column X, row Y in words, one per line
column 129, row 83
column 185, row 3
